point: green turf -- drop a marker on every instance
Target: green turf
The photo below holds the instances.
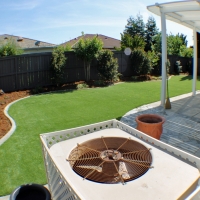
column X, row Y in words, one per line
column 21, row 159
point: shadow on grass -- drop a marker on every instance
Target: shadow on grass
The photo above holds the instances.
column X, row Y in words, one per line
column 119, row 118
column 189, row 77
column 53, row 92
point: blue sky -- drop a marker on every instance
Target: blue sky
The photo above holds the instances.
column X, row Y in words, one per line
column 57, row 21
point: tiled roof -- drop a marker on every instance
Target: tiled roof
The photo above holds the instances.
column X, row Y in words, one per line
column 108, row 42
column 25, row 42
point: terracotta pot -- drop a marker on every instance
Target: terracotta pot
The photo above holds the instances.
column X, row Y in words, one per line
column 150, row 124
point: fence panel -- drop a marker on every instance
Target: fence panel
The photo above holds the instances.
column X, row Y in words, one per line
column 124, row 64
column 33, row 70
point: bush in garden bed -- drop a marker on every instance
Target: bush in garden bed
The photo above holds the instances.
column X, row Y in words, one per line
column 107, row 66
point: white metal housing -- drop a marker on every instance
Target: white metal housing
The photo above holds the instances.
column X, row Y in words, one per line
column 171, row 178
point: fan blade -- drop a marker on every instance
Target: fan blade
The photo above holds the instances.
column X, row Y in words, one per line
column 123, row 171
column 97, row 168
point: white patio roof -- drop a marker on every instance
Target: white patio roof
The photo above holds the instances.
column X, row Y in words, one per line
column 186, row 13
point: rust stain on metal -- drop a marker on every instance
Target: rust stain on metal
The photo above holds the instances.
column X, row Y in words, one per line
column 110, row 160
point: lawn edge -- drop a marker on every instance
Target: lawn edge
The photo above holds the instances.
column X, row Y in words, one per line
column 13, row 124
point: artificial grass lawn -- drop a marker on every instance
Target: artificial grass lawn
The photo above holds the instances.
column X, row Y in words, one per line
column 21, row 159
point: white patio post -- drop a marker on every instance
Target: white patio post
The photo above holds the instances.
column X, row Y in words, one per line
column 164, row 58
column 194, row 62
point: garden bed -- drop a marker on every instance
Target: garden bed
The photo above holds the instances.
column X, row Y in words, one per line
column 5, row 99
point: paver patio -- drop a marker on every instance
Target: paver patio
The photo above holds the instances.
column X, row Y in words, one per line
column 182, row 126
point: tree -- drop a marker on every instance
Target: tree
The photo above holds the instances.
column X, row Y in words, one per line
column 9, row 48
column 150, row 31
column 87, row 49
column 157, row 43
column 186, row 52
column 132, row 42
column 135, row 26
column 177, row 45
column 58, row 64
column 183, row 38
column 174, row 43
column 107, row 66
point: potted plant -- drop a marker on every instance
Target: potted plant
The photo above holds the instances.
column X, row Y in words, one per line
column 150, row 124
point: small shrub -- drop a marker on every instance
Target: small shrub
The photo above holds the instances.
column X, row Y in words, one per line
column 154, row 59
column 9, row 48
column 140, row 62
column 168, row 64
column 99, row 83
column 177, row 67
column 189, row 67
column 134, row 78
column 82, row 86
column 58, row 64
column 107, row 66
column 37, row 90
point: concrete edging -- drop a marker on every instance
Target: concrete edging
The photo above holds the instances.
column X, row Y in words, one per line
column 13, row 125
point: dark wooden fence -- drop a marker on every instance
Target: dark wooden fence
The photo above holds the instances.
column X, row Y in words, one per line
column 33, row 70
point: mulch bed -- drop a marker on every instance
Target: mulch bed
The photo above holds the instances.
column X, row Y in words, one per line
column 5, row 99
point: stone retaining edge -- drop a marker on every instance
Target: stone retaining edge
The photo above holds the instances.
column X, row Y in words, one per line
column 13, row 124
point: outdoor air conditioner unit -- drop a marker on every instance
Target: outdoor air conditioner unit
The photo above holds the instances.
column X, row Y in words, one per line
column 111, row 160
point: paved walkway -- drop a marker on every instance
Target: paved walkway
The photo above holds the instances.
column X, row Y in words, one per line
column 182, row 126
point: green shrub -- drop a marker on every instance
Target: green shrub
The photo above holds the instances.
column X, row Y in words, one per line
column 155, row 62
column 9, row 48
column 168, row 64
column 99, row 83
column 82, row 86
column 134, row 78
column 189, row 67
column 58, row 64
column 107, row 66
column 140, row 62
column 177, row 67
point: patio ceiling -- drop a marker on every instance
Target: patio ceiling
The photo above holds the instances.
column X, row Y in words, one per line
column 186, row 13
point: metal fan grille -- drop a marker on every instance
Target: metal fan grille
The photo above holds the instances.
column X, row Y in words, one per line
column 110, row 160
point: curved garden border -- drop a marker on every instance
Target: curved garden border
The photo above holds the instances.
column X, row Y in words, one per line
column 13, row 125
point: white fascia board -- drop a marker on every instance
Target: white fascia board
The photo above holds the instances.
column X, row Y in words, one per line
column 179, row 8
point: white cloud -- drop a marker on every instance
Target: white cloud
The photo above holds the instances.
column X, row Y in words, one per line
column 72, row 16
column 21, row 5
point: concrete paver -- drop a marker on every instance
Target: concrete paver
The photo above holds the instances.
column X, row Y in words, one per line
column 182, row 126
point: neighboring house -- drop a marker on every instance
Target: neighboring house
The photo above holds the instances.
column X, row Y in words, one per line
column 28, row 45
column 108, row 42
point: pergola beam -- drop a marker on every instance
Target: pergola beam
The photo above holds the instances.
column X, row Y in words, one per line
column 194, row 62
column 189, row 18
column 164, row 58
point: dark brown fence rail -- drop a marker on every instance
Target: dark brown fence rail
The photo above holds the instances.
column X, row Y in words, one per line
column 33, row 70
